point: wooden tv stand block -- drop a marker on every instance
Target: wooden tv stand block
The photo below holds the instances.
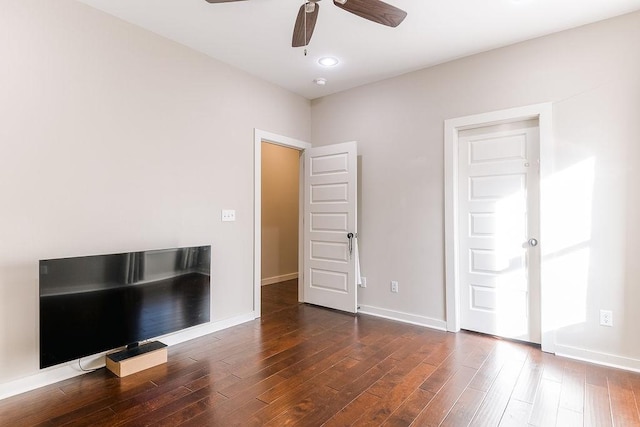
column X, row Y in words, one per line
column 130, row 361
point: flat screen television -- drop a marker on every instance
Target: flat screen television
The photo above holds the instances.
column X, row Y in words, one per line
column 92, row 304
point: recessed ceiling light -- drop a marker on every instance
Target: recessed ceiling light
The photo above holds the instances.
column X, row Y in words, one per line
column 328, row 61
column 321, row 81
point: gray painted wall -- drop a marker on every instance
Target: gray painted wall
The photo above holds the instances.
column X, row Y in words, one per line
column 114, row 139
column 590, row 74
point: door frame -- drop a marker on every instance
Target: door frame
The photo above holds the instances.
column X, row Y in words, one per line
column 260, row 136
column 542, row 112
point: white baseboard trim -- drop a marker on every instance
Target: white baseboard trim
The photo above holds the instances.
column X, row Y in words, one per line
column 277, row 279
column 598, row 358
column 71, row 369
column 413, row 319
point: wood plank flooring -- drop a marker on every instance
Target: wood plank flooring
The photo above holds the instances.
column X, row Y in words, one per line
column 304, row 365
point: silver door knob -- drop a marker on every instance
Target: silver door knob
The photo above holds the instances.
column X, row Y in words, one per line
column 533, row 242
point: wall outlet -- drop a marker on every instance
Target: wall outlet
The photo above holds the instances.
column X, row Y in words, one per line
column 363, row 282
column 394, row 286
column 606, row 317
column 228, row 215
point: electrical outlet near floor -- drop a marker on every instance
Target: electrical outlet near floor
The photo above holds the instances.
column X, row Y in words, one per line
column 363, row 282
column 394, row 286
column 606, row 317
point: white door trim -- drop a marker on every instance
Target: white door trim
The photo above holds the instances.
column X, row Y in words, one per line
column 258, row 137
column 543, row 112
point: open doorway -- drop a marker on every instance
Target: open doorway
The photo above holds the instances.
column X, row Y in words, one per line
column 327, row 196
column 260, row 137
column 280, row 176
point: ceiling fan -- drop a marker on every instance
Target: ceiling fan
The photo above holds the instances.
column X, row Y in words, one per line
column 373, row 10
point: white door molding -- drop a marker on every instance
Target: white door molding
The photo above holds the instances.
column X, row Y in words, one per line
column 542, row 112
column 260, row 136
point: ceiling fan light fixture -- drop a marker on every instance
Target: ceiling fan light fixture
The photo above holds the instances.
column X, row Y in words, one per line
column 328, row 61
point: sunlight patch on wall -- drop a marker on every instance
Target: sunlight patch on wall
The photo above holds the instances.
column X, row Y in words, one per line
column 567, row 204
column 567, row 207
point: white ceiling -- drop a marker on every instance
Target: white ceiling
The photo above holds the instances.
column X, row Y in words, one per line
column 255, row 35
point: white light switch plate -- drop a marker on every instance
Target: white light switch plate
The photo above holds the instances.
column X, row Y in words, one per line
column 228, row 215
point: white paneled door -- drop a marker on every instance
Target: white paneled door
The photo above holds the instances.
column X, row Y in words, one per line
column 498, row 220
column 330, row 226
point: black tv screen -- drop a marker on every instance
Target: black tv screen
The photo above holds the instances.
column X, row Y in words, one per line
column 92, row 304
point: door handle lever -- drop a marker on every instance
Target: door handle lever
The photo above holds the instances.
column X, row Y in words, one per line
column 350, row 236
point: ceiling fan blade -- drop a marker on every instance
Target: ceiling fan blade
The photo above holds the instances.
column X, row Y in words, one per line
column 299, row 37
column 373, row 10
column 221, row 1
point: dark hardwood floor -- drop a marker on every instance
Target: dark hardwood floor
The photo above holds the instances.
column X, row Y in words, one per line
column 279, row 296
column 303, row 365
